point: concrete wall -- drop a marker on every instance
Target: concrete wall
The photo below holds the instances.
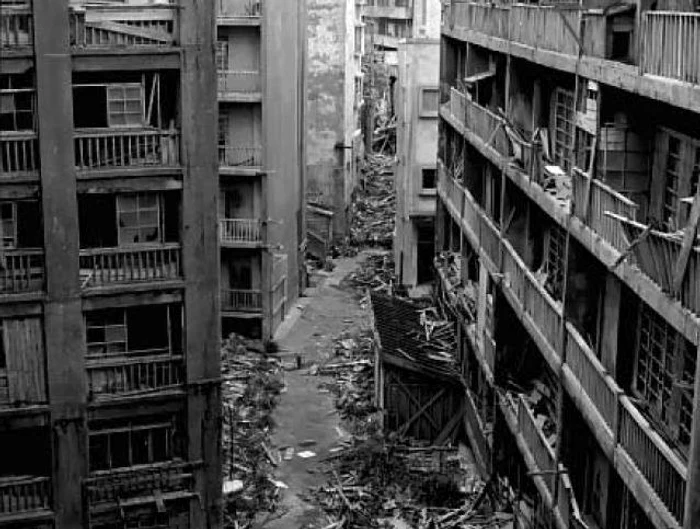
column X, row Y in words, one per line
column 330, row 94
column 282, row 64
column 419, row 61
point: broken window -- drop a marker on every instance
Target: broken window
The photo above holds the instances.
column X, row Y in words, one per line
column 664, row 375
column 563, row 127
column 123, row 444
column 21, row 224
column 677, row 172
column 139, row 218
column 125, row 105
column 555, row 249
column 16, row 109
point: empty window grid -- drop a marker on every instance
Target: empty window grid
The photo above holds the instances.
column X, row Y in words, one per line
column 672, row 183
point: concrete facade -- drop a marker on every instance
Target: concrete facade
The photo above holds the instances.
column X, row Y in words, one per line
column 390, row 21
column 260, row 62
column 416, row 149
column 334, row 50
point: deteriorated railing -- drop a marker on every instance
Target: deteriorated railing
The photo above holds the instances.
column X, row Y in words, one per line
column 23, row 494
column 123, row 148
column 247, row 81
column 240, row 156
column 240, row 8
column 671, row 45
column 136, row 375
column 19, row 154
column 118, row 485
column 123, row 25
column 544, row 27
column 489, row 238
column 601, row 199
column 594, row 379
column 237, row 300
column 541, row 450
column 492, row 20
column 16, row 27
column 662, row 469
column 240, row 231
column 104, row 266
column 21, row 270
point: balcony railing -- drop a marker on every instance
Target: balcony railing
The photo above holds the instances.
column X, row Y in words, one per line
column 21, row 271
column 240, row 231
column 119, row 25
column 230, row 156
column 19, row 154
column 118, row 485
column 490, row 238
column 105, row 266
column 670, row 45
column 492, row 20
column 241, row 300
column 24, row 494
column 481, row 121
column 544, row 27
column 602, row 198
column 598, row 385
column 16, row 27
column 661, row 468
column 123, row 148
column 541, row 450
column 240, row 8
column 246, row 81
column 127, row 376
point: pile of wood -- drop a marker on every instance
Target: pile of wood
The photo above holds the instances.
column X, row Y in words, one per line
column 376, row 273
column 374, row 207
column 437, row 337
column 464, row 294
column 251, row 385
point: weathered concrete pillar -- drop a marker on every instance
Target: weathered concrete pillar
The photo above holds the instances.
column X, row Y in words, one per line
column 201, row 254
column 62, row 311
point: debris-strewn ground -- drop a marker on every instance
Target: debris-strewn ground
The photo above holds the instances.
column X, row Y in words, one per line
column 373, row 210
column 252, row 380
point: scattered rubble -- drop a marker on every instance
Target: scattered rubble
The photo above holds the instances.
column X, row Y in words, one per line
column 374, row 208
column 376, row 273
column 251, row 385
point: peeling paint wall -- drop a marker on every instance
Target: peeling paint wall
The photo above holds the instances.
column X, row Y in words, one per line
column 330, row 113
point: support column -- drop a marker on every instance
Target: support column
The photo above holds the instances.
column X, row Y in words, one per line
column 63, row 328
column 200, row 248
column 692, row 492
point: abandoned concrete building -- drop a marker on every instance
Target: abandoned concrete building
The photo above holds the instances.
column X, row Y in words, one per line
column 390, row 21
column 335, row 45
column 417, row 102
column 568, row 206
column 260, row 66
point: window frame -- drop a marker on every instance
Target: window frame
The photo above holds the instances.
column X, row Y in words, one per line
column 428, row 190
column 139, row 211
column 422, row 111
column 124, row 101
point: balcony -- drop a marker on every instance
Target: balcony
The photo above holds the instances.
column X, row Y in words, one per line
column 109, row 149
column 116, row 25
column 241, row 300
column 21, row 270
column 16, row 28
column 19, row 155
column 239, row 85
column 670, row 41
column 144, row 263
column 237, row 232
column 484, row 123
column 239, row 12
column 240, row 157
column 24, row 495
column 388, row 11
column 124, row 376
column 112, row 490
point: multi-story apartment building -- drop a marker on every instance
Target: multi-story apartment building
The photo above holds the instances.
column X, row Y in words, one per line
column 417, row 103
column 334, row 97
column 389, row 21
column 568, row 205
column 109, row 266
column 260, row 64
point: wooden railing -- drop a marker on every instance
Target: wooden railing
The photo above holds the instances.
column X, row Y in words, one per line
column 489, row 238
column 234, row 300
column 104, row 266
column 230, row 156
column 595, row 381
column 240, row 8
column 457, row 105
column 121, row 148
column 487, row 125
column 544, row 311
column 111, row 486
column 661, row 468
column 19, row 154
column 16, row 27
column 239, row 81
column 107, row 25
column 514, row 272
column 240, row 230
column 670, row 45
column 124, row 375
column 24, row 494
column 544, row 27
column 21, row 270
column 492, row 20
column 602, row 198
column 541, row 450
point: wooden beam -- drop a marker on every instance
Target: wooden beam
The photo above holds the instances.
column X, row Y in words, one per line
column 688, row 244
column 407, row 424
